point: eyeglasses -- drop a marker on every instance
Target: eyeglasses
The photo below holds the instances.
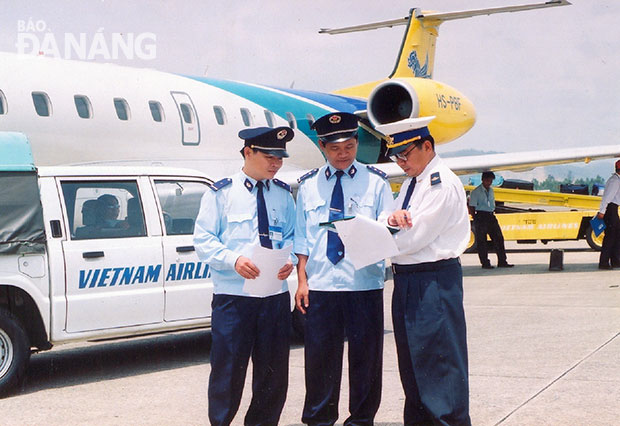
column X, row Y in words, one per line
column 403, row 155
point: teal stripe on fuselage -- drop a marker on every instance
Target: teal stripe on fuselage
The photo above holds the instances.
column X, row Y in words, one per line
column 281, row 103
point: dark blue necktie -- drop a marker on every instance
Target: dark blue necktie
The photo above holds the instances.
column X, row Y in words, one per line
column 408, row 194
column 335, row 248
column 263, row 221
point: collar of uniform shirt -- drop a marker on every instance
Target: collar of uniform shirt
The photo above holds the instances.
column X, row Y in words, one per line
column 427, row 170
column 331, row 171
column 252, row 182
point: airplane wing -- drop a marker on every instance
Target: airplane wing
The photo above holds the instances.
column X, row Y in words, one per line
column 516, row 161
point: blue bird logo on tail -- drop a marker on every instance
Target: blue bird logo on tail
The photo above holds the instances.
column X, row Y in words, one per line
column 414, row 64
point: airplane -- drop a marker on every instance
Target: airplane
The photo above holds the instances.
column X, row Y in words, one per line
column 76, row 112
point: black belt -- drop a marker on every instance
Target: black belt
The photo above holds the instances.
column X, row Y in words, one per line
column 425, row 267
column 482, row 212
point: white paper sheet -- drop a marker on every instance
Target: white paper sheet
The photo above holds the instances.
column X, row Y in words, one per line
column 268, row 262
column 366, row 241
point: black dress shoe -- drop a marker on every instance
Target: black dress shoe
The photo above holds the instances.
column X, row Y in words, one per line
column 604, row 267
column 505, row 265
column 487, row 267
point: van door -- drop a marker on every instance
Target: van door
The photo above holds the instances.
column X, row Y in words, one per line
column 188, row 286
column 114, row 270
column 190, row 127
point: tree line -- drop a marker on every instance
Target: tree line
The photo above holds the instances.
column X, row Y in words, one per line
column 552, row 184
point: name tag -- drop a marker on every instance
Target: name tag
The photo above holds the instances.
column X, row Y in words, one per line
column 275, row 233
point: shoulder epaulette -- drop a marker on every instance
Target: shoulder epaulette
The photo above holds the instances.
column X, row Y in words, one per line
column 377, row 171
column 435, row 178
column 216, row 186
column 281, row 184
column 307, row 175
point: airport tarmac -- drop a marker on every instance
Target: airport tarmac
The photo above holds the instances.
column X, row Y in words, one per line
column 544, row 349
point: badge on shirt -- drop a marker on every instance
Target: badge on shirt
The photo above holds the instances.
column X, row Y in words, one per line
column 275, row 233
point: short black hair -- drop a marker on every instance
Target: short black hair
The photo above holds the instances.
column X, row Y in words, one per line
column 488, row 175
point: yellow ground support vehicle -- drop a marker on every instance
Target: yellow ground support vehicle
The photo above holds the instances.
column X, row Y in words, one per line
column 566, row 216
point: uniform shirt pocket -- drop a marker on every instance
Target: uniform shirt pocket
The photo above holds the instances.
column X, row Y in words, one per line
column 240, row 226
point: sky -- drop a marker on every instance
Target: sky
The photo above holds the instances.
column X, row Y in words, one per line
column 538, row 79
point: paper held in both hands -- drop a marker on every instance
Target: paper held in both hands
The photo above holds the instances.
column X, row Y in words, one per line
column 268, row 262
column 366, row 241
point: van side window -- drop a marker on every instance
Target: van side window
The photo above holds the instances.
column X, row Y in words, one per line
column 180, row 202
column 269, row 117
column 3, row 106
column 122, row 109
column 246, row 116
column 220, row 115
column 103, row 209
column 83, row 106
column 157, row 112
column 42, row 104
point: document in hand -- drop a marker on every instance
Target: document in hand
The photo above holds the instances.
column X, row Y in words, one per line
column 598, row 225
column 366, row 241
column 268, row 263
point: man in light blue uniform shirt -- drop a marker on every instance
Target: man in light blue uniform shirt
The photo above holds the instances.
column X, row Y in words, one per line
column 240, row 213
column 337, row 300
column 482, row 208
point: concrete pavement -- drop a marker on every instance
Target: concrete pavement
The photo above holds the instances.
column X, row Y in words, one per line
column 544, row 348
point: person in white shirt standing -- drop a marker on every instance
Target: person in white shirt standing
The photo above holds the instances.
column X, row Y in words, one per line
column 610, row 253
column 482, row 208
column 427, row 304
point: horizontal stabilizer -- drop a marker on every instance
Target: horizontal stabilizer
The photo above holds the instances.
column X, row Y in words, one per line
column 443, row 16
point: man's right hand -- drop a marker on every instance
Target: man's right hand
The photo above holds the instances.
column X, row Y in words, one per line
column 600, row 215
column 302, row 299
column 246, row 268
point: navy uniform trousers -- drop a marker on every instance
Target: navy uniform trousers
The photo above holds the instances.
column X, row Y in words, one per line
column 242, row 327
column 330, row 317
column 429, row 328
column 611, row 242
column 486, row 223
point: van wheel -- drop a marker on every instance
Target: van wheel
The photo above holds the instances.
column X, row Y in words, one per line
column 14, row 351
column 595, row 243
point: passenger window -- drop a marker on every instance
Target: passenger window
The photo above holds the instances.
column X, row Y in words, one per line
column 246, row 116
column 83, row 107
column 42, row 104
column 187, row 112
column 157, row 112
column 310, row 119
column 122, row 109
column 103, row 209
column 292, row 123
column 269, row 117
column 180, row 202
column 220, row 115
column 3, row 106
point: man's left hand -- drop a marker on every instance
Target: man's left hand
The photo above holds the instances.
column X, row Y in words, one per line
column 285, row 271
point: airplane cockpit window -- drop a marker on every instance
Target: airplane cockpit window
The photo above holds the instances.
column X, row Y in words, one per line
column 220, row 115
column 122, row 109
column 83, row 106
column 269, row 117
column 292, row 123
column 246, row 116
column 310, row 119
column 157, row 112
column 42, row 104
column 187, row 112
column 2, row 103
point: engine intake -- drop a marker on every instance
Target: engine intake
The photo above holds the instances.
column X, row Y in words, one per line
column 392, row 101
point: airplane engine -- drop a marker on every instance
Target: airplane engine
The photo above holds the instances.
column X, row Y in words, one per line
column 391, row 101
